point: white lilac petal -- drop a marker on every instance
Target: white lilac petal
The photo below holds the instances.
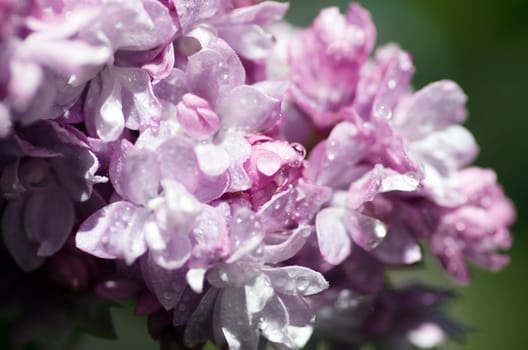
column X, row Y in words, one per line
column 261, row 14
column 299, row 309
column 290, row 245
column 254, row 44
column 433, row 108
column 447, row 150
column 234, row 320
column 82, row 62
column 140, row 106
column 212, row 187
column 332, row 236
column 258, row 293
column 246, row 234
column 268, row 163
column 210, row 235
column 21, row 94
column 239, row 151
column 175, row 253
column 335, row 162
column 441, row 187
column 177, row 209
column 191, row 11
column 240, row 180
column 247, row 108
column 310, row 199
column 300, row 335
column 153, row 236
column 210, row 75
column 213, row 160
column 226, row 275
column 379, row 180
column 237, row 146
column 296, row 280
column 135, row 173
column 172, row 88
column 273, row 322
column 120, row 97
column 195, row 279
column 113, row 232
column 242, row 28
column 103, row 107
column 132, row 25
column 366, row 231
column 178, row 197
column 276, row 212
column 49, row 217
column 178, row 162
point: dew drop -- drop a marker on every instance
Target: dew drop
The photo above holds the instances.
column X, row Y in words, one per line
column 383, row 111
column 224, row 277
column 302, row 284
column 297, row 147
column 331, row 150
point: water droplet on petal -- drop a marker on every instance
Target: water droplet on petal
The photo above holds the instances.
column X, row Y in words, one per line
column 383, row 111
column 297, row 147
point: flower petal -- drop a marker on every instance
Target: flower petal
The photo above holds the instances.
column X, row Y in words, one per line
column 48, row 219
column 167, row 285
column 296, row 280
column 135, row 173
column 248, row 108
column 115, row 231
column 234, row 320
column 291, row 244
column 21, row 248
column 332, row 236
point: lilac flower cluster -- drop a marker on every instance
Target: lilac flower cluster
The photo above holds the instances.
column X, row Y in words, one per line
column 171, row 137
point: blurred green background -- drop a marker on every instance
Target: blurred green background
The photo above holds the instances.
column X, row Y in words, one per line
column 483, row 45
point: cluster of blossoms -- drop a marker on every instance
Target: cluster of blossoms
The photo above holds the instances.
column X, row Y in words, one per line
column 246, row 182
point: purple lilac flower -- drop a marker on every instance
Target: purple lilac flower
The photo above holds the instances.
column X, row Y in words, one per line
column 476, row 229
column 47, row 173
column 260, row 175
column 402, row 318
column 338, row 46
